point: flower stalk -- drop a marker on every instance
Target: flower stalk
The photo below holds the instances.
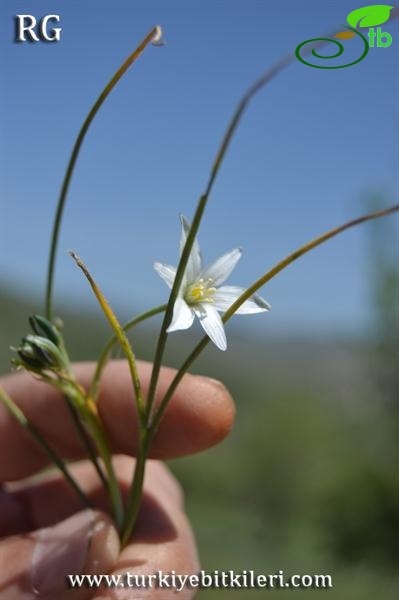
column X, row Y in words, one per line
column 136, row 490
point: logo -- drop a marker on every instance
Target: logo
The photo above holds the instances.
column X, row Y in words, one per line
column 30, row 29
column 367, row 17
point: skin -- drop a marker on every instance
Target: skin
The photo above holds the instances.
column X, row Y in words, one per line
column 45, row 534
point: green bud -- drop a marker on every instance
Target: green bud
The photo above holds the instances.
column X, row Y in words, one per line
column 40, row 353
column 45, row 328
column 28, row 357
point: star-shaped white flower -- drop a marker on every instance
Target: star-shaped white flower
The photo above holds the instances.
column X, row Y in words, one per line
column 202, row 293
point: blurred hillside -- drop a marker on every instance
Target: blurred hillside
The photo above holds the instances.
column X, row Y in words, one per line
column 307, row 482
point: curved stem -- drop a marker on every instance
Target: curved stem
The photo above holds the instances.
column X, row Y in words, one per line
column 252, row 290
column 72, row 162
column 17, row 413
column 102, row 361
column 246, row 99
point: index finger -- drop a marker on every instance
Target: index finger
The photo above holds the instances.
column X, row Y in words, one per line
column 199, row 415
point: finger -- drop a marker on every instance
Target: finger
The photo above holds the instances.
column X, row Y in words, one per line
column 199, row 415
column 162, row 540
column 36, row 564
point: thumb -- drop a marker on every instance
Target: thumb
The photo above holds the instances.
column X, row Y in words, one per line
column 36, row 565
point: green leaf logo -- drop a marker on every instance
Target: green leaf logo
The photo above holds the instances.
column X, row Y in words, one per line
column 369, row 16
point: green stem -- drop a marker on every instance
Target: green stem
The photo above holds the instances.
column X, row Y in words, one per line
column 252, row 290
column 134, row 499
column 64, row 383
column 87, row 442
column 102, row 361
column 17, row 413
column 115, row 495
column 88, row 411
column 133, row 504
column 72, row 162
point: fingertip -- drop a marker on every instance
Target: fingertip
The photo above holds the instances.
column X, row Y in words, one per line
column 218, row 409
column 200, row 415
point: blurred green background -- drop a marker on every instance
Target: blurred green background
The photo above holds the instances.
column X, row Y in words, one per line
column 308, row 480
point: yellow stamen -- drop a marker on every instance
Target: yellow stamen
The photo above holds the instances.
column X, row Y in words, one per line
column 200, row 292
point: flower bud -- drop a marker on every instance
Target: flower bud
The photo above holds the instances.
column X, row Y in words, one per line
column 46, row 329
column 40, row 353
column 28, row 357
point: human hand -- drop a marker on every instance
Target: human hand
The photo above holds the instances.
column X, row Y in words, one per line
column 44, row 532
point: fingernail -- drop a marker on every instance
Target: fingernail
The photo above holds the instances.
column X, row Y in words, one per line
column 59, row 551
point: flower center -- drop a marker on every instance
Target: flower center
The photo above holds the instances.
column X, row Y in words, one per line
column 200, row 291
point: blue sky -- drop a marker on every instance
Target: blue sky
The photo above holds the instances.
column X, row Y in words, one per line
column 310, row 149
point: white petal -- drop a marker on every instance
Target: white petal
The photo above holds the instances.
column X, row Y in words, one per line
column 167, row 273
column 194, row 264
column 219, row 270
column 212, row 324
column 226, row 295
column 183, row 316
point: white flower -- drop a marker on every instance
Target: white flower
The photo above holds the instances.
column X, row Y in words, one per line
column 203, row 294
